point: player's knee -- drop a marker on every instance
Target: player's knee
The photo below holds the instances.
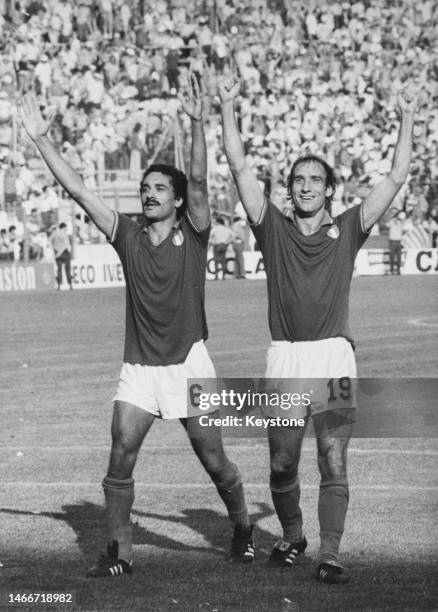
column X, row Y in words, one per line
column 123, row 443
column 284, row 469
column 229, row 476
column 215, row 465
column 332, row 462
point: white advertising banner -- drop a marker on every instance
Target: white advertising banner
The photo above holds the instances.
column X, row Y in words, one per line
column 20, row 276
column 420, row 261
column 99, row 265
column 413, row 261
column 96, row 266
column 371, row 262
column 254, row 266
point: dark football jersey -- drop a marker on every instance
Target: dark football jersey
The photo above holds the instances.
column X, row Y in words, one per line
column 309, row 276
column 165, row 287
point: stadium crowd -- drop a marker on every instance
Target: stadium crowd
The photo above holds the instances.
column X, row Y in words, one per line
column 319, row 78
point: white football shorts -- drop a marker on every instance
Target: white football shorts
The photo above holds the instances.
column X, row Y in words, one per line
column 323, row 372
column 162, row 390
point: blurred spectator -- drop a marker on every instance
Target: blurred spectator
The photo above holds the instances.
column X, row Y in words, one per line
column 25, row 180
column 10, row 184
column 68, row 123
column 396, row 228
column 5, row 107
column 220, row 237
column 4, row 245
column 84, row 20
column 32, row 244
column 62, row 248
column 107, row 17
column 205, row 38
column 316, row 78
column 137, row 148
column 43, row 76
column 49, row 207
column 15, row 244
column 433, row 231
column 32, row 202
column 172, row 69
column 239, row 239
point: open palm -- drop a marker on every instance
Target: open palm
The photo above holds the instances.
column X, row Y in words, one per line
column 191, row 100
column 33, row 121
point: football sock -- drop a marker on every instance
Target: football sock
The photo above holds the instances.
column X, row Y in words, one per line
column 119, row 496
column 231, row 493
column 332, row 509
column 286, row 499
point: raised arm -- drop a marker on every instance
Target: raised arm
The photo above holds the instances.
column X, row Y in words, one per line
column 37, row 127
column 197, row 194
column 379, row 199
column 247, row 184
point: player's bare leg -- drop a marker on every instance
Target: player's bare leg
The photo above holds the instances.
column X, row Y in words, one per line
column 285, row 450
column 129, row 426
column 208, row 445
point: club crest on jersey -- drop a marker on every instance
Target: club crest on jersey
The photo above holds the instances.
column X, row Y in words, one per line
column 178, row 238
column 333, row 232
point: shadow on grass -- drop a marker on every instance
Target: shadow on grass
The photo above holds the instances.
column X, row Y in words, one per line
column 88, row 520
column 208, row 523
column 168, row 582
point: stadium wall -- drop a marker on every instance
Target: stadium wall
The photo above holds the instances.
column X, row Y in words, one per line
column 99, row 266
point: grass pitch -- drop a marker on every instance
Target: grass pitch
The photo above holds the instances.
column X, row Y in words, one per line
column 61, row 355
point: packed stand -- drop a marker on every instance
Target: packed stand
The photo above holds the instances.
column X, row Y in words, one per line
column 315, row 78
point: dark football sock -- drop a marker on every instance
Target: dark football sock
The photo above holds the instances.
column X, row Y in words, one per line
column 332, row 509
column 232, row 494
column 286, row 499
column 119, row 496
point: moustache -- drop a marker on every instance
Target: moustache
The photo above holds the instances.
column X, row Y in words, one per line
column 151, row 201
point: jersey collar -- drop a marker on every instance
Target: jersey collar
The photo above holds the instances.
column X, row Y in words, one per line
column 326, row 220
column 175, row 226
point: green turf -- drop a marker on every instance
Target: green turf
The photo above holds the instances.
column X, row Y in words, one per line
column 61, row 354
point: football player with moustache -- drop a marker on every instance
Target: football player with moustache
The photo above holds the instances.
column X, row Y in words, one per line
column 164, row 263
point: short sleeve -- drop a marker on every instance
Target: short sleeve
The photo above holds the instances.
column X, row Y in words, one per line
column 269, row 218
column 123, row 227
column 351, row 222
column 199, row 236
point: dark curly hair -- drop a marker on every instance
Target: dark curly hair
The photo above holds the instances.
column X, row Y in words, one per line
column 330, row 178
column 178, row 181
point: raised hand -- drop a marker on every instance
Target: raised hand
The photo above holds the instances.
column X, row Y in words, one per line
column 407, row 101
column 229, row 88
column 31, row 117
column 191, row 100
